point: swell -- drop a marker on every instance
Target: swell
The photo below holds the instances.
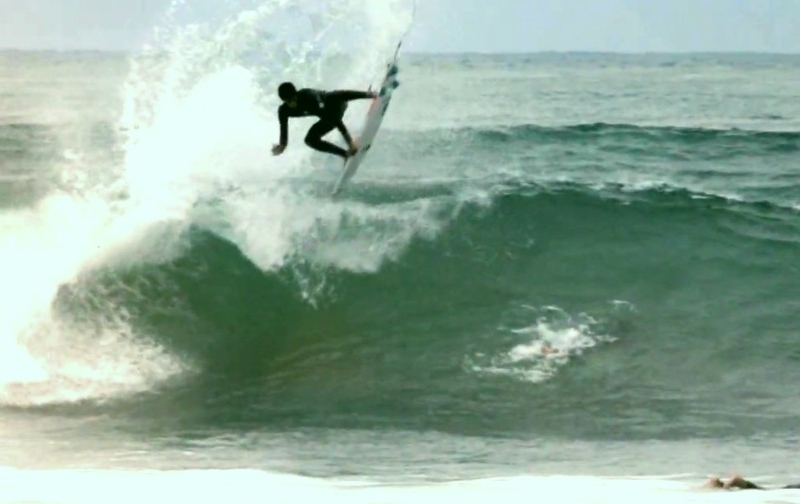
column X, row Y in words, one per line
column 751, row 166
column 26, row 142
column 17, row 138
column 724, row 142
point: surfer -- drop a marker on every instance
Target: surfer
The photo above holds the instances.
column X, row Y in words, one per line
column 737, row 482
column 329, row 106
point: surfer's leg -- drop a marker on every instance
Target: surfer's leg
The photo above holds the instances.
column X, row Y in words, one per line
column 315, row 141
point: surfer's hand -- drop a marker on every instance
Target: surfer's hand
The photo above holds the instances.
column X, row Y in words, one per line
column 277, row 149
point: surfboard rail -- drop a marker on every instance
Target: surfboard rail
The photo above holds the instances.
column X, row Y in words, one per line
column 374, row 118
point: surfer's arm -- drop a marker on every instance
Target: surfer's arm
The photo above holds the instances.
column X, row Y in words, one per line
column 347, row 95
column 283, row 119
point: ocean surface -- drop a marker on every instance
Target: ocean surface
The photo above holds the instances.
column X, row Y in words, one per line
column 557, row 277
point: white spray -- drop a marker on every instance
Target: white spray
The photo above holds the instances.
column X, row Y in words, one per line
column 197, row 123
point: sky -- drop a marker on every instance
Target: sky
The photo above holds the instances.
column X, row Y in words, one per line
column 460, row 25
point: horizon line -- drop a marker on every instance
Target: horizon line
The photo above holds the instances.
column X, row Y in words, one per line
column 459, row 53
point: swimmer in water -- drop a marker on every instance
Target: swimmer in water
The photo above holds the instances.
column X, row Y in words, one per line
column 737, row 482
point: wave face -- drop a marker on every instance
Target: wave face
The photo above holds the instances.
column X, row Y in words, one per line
column 488, row 273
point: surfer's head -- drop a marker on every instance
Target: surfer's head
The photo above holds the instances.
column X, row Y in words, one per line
column 287, row 92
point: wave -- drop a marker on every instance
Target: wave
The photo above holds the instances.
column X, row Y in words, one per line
column 553, row 294
column 696, row 141
column 748, row 166
column 213, row 305
column 22, row 141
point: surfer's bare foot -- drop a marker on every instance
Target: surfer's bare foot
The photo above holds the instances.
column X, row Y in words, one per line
column 352, row 150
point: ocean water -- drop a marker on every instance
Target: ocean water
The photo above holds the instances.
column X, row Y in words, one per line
column 561, row 277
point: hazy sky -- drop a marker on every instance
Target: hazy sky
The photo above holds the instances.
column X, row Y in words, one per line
column 460, row 25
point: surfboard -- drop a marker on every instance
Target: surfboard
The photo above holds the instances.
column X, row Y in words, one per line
column 372, row 123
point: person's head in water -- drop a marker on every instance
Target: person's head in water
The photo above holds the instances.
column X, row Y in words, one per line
column 288, row 93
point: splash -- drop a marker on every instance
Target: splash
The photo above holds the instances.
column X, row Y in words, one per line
column 200, row 112
column 540, row 349
column 195, row 130
column 201, row 116
column 46, row 357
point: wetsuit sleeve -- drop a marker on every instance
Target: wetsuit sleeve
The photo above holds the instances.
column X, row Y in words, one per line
column 283, row 119
column 347, row 95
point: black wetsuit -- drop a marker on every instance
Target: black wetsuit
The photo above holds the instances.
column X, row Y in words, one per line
column 330, row 107
column 749, row 485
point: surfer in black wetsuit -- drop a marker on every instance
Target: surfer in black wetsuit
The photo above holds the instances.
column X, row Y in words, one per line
column 739, row 483
column 329, row 106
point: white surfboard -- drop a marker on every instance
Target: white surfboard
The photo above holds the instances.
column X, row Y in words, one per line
column 377, row 110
